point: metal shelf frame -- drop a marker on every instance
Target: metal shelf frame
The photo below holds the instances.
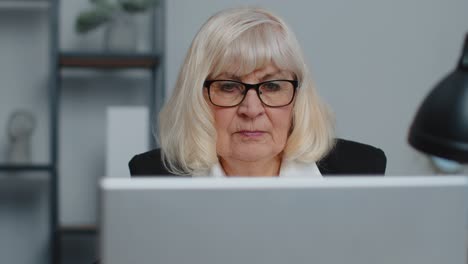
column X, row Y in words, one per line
column 108, row 60
column 25, row 167
column 54, row 136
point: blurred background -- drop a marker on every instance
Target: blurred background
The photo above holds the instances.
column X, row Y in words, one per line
column 81, row 81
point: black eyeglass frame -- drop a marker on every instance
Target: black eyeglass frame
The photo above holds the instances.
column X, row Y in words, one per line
column 256, row 87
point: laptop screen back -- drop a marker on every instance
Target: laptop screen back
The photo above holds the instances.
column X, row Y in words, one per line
column 349, row 220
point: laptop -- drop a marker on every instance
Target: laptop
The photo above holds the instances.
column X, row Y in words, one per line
column 352, row 220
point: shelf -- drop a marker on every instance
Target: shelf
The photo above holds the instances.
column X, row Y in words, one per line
column 25, row 167
column 23, row 4
column 78, row 230
column 108, row 60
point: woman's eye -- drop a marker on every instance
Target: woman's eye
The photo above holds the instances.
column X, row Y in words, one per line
column 271, row 87
column 229, row 87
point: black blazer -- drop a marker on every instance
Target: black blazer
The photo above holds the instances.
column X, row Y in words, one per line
column 346, row 158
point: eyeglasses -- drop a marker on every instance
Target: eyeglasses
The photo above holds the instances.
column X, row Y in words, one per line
column 229, row 93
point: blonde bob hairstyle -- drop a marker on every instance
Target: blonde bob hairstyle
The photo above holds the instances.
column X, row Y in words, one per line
column 239, row 41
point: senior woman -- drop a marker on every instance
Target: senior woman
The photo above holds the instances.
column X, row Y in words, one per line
column 244, row 105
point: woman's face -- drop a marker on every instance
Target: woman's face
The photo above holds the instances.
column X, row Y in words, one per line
column 252, row 131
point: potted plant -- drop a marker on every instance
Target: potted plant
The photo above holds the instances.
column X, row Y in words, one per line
column 120, row 32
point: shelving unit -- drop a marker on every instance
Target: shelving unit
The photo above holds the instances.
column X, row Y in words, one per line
column 149, row 61
column 60, row 61
column 106, row 62
column 48, row 170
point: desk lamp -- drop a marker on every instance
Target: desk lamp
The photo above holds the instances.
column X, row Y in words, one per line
column 440, row 127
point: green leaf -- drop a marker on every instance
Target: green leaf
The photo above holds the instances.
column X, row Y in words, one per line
column 99, row 2
column 137, row 6
column 91, row 19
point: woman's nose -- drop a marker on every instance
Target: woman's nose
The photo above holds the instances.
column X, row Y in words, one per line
column 251, row 106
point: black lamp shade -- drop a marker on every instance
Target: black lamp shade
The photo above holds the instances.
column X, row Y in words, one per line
column 440, row 127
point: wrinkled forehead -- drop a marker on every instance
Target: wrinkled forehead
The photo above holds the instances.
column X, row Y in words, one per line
column 263, row 48
column 267, row 72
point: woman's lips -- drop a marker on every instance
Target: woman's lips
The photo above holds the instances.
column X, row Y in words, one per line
column 251, row 134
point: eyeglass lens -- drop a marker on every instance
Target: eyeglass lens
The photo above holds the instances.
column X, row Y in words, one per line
column 231, row 93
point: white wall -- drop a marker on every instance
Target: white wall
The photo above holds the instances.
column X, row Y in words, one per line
column 373, row 61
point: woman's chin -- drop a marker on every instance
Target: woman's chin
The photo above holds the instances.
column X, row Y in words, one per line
column 253, row 154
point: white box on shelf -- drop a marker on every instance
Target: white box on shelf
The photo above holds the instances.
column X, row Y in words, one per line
column 127, row 135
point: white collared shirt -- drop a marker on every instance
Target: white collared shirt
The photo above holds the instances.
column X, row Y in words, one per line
column 288, row 170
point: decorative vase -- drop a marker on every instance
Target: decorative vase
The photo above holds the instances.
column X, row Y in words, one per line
column 121, row 34
column 21, row 126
